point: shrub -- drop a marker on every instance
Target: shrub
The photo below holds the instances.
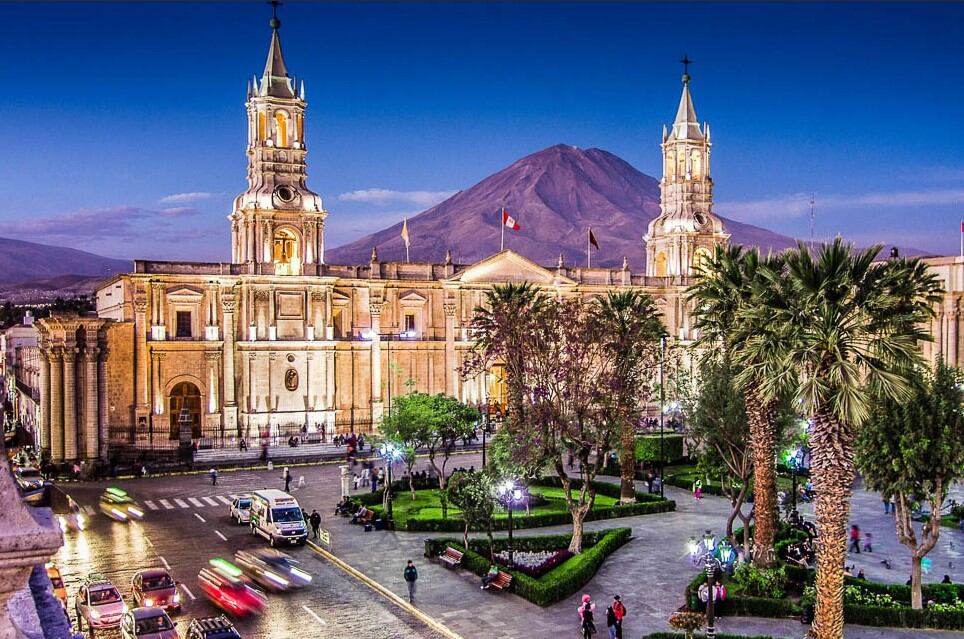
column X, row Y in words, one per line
column 555, row 585
column 761, row 582
column 647, row 447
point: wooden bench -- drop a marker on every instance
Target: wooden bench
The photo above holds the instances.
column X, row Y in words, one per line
column 451, row 557
column 367, row 518
column 502, row 582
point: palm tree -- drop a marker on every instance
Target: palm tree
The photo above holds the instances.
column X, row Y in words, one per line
column 501, row 328
column 632, row 328
column 843, row 327
column 723, row 290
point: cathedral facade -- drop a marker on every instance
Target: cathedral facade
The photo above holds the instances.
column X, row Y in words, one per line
column 278, row 342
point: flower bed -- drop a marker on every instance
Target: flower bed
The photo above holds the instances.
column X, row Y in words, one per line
column 534, row 563
column 556, row 584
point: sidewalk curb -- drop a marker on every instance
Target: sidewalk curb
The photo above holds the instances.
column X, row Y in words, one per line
column 431, row 622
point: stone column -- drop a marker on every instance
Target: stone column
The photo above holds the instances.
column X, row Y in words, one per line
column 375, row 310
column 44, row 402
column 330, row 380
column 450, row 372
column 345, row 481
column 213, row 365
column 91, row 395
column 141, row 372
column 266, row 235
column 27, row 537
column 70, row 405
column 252, row 395
column 329, row 320
column 952, row 348
column 320, row 238
column 250, row 241
column 56, row 405
column 939, row 334
column 230, row 411
column 157, row 401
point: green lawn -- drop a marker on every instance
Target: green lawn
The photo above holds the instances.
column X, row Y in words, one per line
column 688, row 474
column 426, row 504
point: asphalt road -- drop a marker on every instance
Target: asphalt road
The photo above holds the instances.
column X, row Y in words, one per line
column 187, row 524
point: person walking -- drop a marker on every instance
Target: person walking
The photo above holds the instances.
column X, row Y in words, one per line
column 214, row 476
column 586, row 610
column 611, row 622
column 855, row 539
column 286, row 474
column 698, row 489
column 620, row 611
column 411, row 576
column 868, row 542
column 315, row 520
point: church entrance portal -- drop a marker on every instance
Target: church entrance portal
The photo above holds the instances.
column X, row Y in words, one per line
column 185, row 396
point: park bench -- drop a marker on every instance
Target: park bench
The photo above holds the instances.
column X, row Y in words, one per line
column 367, row 518
column 451, row 557
column 502, row 582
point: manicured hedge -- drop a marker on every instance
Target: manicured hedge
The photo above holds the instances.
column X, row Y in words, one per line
column 903, row 617
column 555, row 585
column 647, row 447
column 645, row 505
column 698, row 635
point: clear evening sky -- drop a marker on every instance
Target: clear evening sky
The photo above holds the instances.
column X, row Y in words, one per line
column 124, row 127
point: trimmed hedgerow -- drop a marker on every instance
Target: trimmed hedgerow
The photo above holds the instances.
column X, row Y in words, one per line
column 555, row 585
column 698, row 635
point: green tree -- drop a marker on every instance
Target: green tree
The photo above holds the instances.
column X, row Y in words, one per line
column 913, row 450
column 836, row 331
column 473, row 493
column 631, row 330
column 725, row 291
column 448, row 420
column 404, row 425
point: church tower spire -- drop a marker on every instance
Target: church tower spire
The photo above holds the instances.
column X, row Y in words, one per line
column 686, row 228
column 278, row 223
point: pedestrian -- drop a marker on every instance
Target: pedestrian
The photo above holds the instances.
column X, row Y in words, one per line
column 315, row 520
column 611, row 622
column 586, row 610
column 698, row 489
column 868, row 542
column 214, row 476
column 355, row 480
column 620, row 611
column 286, row 474
column 242, row 445
column 411, row 575
column 569, row 460
column 374, row 483
column 886, row 501
column 855, row 539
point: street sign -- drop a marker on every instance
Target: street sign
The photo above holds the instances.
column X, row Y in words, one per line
column 324, row 536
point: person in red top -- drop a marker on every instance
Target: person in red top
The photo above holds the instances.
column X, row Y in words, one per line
column 620, row 611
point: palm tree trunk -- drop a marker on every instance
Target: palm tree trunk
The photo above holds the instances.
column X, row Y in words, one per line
column 762, row 443
column 832, row 469
column 627, row 463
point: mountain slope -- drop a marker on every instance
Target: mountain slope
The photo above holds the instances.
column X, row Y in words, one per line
column 24, row 261
column 555, row 194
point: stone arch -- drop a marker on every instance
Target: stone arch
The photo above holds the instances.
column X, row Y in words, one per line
column 281, row 128
column 286, row 250
column 660, row 264
column 185, row 393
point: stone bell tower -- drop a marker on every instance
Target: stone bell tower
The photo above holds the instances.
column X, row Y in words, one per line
column 686, row 228
column 278, row 224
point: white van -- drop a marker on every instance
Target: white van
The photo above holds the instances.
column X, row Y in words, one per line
column 277, row 516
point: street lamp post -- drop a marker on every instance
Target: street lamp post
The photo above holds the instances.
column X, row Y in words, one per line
column 389, row 452
column 711, row 565
column 511, row 494
column 662, row 358
column 485, row 429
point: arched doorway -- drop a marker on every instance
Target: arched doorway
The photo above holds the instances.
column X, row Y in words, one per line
column 286, row 256
column 497, row 390
column 185, row 396
column 660, row 264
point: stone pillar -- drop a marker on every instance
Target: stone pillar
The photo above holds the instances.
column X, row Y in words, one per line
column 157, row 401
column 213, row 365
column 91, row 395
column 27, row 537
column 44, row 402
column 252, row 395
column 330, row 380
column 70, row 404
column 320, row 238
column 952, row 348
column 228, row 305
column 329, row 320
column 250, row 241
column 141, row 372
column 939, row 334
column 376, row 360
column 345, row 481
column 56, row 405
column 266, row 236
column 450, row 372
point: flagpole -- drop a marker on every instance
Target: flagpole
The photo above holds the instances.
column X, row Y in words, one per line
column 962, row 238
column 588, row 249
column 502, row 226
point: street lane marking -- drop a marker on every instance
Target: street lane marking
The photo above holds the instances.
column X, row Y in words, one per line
column 166, row 504
column 233, row 496
column 312, row 613
column 218, row 533
column 150, row 504
column 210, row 501
column 203, row 520
column 181, row 503
column 224, row 500
column 166, row 565
column 188, row 591
column 196, row 502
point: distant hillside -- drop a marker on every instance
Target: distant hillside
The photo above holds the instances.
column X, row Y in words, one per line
column 25, row 261
column 555, row 195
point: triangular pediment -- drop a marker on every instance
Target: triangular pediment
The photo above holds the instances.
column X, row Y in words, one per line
column 412, row 297
column 506, row 266
column 184, row 292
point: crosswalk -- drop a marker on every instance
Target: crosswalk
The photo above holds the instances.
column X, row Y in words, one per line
column 203, row 502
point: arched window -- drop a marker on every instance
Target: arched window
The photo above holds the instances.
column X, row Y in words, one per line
column 681, row 164
column 661, row 264
column 281, row 125
column 301, row 129
column 285, row 253
column 697, row 164
column 671, row 164
column 262, row 125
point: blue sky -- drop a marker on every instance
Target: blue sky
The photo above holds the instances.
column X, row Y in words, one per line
column 124, row 126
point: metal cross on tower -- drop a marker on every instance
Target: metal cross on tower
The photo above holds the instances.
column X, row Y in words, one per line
column 686, row 62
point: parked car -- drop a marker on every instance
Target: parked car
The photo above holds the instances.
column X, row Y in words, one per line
column 98, row 604
column 57, row 582
column 240, row 509
column 148, row 623
column 155, row 588
column 212, row 628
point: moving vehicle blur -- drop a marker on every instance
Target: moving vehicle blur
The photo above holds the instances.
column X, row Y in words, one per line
column 148, row 623
column 57, row 582
column 224, row 584
column 240, row 510
column 212, row 628
column 272, row 569
column 119, row 506
column 155, row 588
column 31, row 484
column 98, row 604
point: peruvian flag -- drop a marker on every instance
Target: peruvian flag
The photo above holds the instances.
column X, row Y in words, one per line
column 508, row 221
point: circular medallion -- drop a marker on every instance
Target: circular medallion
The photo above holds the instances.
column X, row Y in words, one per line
column 285, row 193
